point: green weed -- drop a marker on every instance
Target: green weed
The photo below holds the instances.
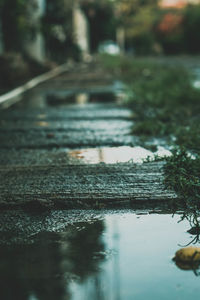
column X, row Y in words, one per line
column 183, row 175
column 166, row 104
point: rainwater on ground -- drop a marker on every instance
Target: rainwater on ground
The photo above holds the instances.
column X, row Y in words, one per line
column 112, row 155
column 77, row 255
column 51, row 97
column 83, row 113
column 83, row 255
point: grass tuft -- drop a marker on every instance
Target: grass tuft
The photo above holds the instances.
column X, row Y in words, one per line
column 183, row 176
column 166, row 104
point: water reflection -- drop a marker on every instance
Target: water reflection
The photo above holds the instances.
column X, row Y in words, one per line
column 111, row 155
column 43, row 270
column 45, row 97
column 82, row 98
column 123, row 257
column 195, row 267
column 69, row 97
column 42, row 124
column 192, row 216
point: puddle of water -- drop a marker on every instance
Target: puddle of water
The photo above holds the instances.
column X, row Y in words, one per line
column 102, row 97
column 120, row 257
column 42, row 124
column 111, row 155
column 44, row 98
column 81, row 98
column 55, row 99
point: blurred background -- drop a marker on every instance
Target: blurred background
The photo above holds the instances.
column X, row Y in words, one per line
column 35, row 35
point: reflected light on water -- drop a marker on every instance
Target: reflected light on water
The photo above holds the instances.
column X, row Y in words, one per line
column 42, row 124
column 112, row 155
column 82, row 98
column 121, row 256
column 139, row 264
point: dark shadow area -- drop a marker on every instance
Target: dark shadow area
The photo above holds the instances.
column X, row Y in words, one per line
column 43, row 269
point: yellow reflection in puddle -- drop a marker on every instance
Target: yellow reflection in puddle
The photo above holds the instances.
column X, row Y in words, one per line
column 42, row 124
column 82, row 98
column 112, row 155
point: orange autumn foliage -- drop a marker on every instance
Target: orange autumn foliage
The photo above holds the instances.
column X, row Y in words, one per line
column 170, row 22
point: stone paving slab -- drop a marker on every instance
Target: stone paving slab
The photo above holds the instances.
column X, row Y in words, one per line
column 107, row 126
column 72, row 112
column 33, row 171
column 73, row 126
column 82, row 186
column 48, row 139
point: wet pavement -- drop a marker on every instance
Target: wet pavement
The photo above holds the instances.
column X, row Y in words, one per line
column 67, row 157
column 68, row 143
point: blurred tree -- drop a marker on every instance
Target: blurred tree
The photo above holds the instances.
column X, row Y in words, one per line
column 178, row 30
column 58, row 30
column 191, row 28
column 102, row 21
column 170, row 31
column 138, row 18
column 16, row 28
column 134, row 19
